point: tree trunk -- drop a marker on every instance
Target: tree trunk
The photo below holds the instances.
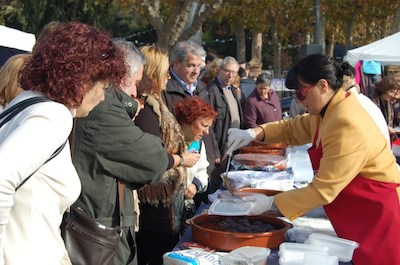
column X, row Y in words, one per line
column 322, row 32
column 277, row 51
column 349, row 31
column 256, row 46
column 241, row 43
column 396, row 22
column 331, row 45
column 162, row 38
column 178, row 25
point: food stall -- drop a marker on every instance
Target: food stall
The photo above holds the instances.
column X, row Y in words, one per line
column 263, row 171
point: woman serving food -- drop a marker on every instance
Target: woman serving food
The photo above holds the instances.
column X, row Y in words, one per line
column 356, row 178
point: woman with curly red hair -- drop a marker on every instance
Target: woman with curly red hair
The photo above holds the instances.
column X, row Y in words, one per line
column 69, row 68
column 195, row 117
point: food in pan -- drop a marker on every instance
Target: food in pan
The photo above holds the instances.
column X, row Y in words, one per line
column 238, row 225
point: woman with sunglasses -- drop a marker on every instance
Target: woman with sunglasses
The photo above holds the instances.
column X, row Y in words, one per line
column 356, row 177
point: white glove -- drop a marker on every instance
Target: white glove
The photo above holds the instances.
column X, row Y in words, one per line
column 238, row 138
column 263, row 203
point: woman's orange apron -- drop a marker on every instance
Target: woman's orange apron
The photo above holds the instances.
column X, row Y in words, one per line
column 368, row 212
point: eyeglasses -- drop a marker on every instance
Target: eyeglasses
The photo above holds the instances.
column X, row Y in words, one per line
column 108, row 53
column 229, row 71
column 300, row 94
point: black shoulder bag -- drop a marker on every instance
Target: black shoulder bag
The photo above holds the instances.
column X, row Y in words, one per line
column 9, row 113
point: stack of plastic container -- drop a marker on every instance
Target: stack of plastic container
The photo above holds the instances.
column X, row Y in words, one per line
column 319, row 250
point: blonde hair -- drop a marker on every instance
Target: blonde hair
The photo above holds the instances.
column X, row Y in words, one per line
column 9, row 77
column 155, row 71
column 255, row 68
column 212, row 71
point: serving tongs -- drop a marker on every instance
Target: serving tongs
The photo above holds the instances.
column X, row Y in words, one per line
column 227, row 182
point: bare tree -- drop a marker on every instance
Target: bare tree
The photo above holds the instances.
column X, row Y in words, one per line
column 171, row 23
column 241, row 43
column 396, row 23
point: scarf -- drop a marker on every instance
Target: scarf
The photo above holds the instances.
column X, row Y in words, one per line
column 174, row 179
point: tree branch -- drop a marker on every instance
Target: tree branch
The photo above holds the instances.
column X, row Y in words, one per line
column 200, row 17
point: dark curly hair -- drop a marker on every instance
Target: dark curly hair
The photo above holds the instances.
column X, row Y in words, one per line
column 192, row 108
column 386, row 84
column 69, row 60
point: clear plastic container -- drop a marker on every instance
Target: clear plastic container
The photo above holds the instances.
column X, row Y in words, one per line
column 231, row 206
column 249, row 255
column 239, row 204
column 293, row 253
column 340, row 247
column 320, row 259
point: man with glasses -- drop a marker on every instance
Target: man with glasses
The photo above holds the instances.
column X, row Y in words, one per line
column 223, row 98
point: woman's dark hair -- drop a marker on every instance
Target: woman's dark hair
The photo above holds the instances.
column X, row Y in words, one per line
column 348, row 69
column 386, row 84
column 263, row 78
column 311, row 69
column 69, row 60
column 242, row 72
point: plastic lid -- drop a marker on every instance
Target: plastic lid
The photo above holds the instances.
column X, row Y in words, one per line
column 240, row 204
column 340, row 247
column 231, row 206
column 332, row 239
column 253, row 254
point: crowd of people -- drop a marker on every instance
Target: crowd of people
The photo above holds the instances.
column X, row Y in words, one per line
column 162, row 125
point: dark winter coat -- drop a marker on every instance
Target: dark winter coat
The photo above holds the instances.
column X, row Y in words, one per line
column 223, row 122
column 108, row 146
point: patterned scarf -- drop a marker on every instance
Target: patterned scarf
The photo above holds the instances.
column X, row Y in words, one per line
column 174, row 180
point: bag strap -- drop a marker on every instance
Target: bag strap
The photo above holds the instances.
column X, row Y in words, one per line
column 11, row 112
column 121, row 185
column 51, row 157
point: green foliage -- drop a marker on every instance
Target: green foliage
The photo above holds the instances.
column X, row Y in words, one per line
column 32, row 15
column 282, row 22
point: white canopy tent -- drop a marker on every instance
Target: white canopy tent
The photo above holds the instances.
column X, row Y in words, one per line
column 386, row 51
column 16, row 39
column 13, row 41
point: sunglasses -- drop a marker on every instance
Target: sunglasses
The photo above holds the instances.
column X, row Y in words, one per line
column 301, row 93
column 108, row 53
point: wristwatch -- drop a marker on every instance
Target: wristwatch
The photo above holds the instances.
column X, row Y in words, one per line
column 182, row 161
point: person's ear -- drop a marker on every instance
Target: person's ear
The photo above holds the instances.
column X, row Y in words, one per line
column 323, row 85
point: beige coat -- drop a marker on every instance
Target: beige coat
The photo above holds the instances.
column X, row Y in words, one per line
column 352, row 144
